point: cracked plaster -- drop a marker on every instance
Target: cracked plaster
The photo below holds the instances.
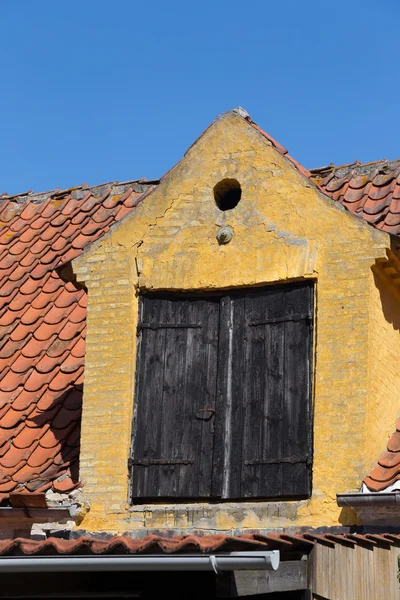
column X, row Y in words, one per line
column 285, row 230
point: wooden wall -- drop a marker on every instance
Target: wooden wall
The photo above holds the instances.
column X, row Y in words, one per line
column 354, row 573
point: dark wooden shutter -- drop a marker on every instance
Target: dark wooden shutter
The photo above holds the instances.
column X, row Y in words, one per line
column 264, row 401
column 175, row 397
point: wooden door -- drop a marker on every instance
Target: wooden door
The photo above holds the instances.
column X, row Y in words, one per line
column 223, row 395
column 173, row 438
column 265, row 413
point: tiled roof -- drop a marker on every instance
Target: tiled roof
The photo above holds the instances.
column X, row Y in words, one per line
column 42, row 329
column 371, row 191
column 387, row 471
column 152, row 544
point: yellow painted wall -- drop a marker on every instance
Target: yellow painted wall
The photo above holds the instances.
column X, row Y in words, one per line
column 284, row 229
column 384, row 390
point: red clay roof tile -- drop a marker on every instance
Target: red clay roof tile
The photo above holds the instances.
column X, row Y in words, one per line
column 33, row 349
column 63, row 486
column 47, row 363
column 49, row 208
column 394, row 442
column 7, row 485
column 38, row 485
column 14, row 459
column 44, row 331
column 6, row 434
column 43, row 327
column 37, row 381
column 70, row 364
column 28, row 235
column 387, row 471
column 29, row 212
column 20, row 301
column 72, row 400
column 39, row 457
column 39, row 418
column 48, row 399
column 66, row 298
column 393, row 219
column 52, row 284
column 29, row 287
column 55, row 347
column 10, row 348
column 353, row 195
column 26, row 437
column 368, row 190
column 18, row 225
column 27, row 260
column 52, row 469
column 26, row 399
column 57, row 314
column 153, row 544
column 61, row 381
column 12, row 380
column 69, row 331
column 78, row 350
column 21, row 365
column 50, row 440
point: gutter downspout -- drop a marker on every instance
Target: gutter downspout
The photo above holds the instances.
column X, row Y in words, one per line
column 233, row 561
column 356, row 500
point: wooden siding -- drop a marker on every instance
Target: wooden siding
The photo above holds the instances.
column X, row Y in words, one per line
column 362, row 572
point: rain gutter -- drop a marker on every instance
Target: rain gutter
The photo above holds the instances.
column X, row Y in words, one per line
column 233, row 561
column 54, row 514
column 356, row 500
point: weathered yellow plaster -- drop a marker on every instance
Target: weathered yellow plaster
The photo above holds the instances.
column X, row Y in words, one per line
column 384, row 392
column 284, row 229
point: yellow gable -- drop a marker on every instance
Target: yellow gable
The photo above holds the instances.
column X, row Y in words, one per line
column 282, row 229
column 282, row 226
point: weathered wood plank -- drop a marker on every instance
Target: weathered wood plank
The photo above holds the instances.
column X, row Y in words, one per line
column 290, row 576
column 353, row 573
column 223, row 421
column 275, row 393
column 148, row 395
column 173, row 446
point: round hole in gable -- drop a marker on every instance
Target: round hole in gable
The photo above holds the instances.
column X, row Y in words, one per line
column 227, row 194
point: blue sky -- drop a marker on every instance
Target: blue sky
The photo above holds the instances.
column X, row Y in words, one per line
column 94, row 90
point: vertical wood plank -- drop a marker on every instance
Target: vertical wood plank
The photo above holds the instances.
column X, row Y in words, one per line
column 175, row 395
column 148, row 395
column 275, row 395
column 223, row 422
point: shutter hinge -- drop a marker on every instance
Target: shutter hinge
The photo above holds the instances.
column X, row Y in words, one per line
column 293, row 460
column 203, row 417
column 155, row 326
column 147, row 462
column 298, row 317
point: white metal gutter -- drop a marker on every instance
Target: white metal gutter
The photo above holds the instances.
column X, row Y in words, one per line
column 360, row 499
column 233, row 561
